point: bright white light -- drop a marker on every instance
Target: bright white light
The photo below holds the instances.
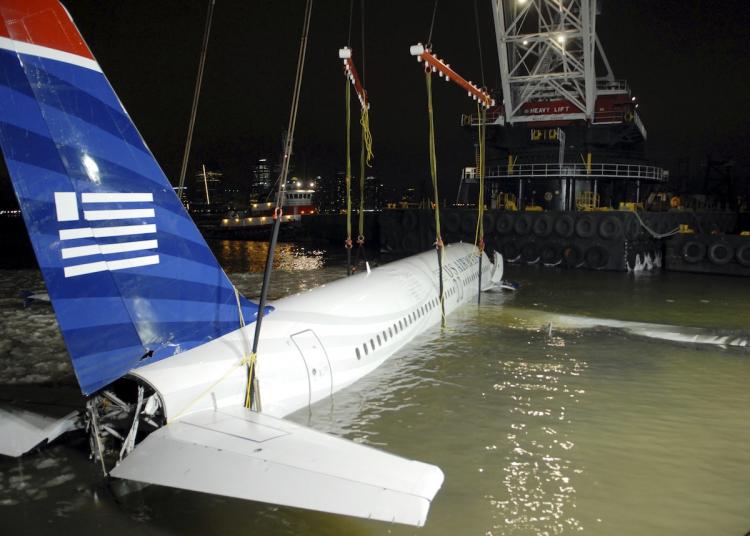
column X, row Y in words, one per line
column 521, row 2
column 299, row 184
column 633, row 99
column 560, row 38
column 525, row 41
column 92, row 170
column 312, row 185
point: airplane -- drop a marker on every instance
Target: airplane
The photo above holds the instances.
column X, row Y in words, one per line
column 158, row 335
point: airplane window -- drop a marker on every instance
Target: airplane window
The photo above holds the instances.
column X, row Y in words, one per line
column 372, row 343
column 400, row 325
column 379, row 343
column 365, row 347
column 356, row 351
column 385, row 337
column 390, row 331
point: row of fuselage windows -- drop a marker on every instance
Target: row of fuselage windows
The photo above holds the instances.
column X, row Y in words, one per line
column 471, row 278
column 397, row 327
column 382, row 338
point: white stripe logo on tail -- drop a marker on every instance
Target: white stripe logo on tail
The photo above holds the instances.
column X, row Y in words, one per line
column 96, row 211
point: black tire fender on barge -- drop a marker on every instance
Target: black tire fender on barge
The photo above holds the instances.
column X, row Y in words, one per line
column 488, row 222
column 610, row 227
column 529, row 253
column 720, row 253
column 511, row 253
column 452, row 222
column 522, row 225
column 469, row 224
column 550, row 254
column 743, row 255
column 543, row 225
column 597, row 257
column 409, row 220
column 693, row 251
column 564, row 226
column 504, row 224
column 585, row 227
column 572, row 256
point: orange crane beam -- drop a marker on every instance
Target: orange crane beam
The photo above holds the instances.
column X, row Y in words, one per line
column 351, row 73
column 432, row 62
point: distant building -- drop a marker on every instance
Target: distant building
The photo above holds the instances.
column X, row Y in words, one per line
column 262, row 181
column 374, row 198
column 330, row 195
column 208, row 188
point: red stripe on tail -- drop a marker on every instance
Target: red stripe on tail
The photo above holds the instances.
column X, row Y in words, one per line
column 41, row 22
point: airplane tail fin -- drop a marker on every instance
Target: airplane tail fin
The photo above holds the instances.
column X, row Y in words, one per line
column 129, row 275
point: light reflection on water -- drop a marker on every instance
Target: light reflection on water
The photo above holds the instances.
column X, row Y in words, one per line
column 244, row 256
column 540, row 430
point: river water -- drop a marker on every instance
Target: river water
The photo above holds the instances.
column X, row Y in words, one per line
column 546, row 417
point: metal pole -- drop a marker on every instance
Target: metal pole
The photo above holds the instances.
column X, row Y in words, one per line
column 196, row 97
column 205, row 184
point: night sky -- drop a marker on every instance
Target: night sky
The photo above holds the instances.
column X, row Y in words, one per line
column 687, row 62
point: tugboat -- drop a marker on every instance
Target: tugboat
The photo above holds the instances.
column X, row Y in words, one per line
column 257, row 219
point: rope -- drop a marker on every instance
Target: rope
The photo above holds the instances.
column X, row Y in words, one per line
column 653, row 233
column 196, row 96
column 479, row 235
column 351, row 15
column 432, row 25
column 362, row 32
column 479, row 43
column 348, row 242
column 433, row 173
column 362, row 164
column 279, row 197
column 365, row 152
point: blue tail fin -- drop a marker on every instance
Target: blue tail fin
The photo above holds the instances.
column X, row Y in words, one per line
column 129, row 275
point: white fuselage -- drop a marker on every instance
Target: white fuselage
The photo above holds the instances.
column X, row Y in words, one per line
column 317, row 342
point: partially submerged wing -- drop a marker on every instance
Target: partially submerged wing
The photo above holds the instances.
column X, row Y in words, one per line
column 21, row 430
column 240, row 453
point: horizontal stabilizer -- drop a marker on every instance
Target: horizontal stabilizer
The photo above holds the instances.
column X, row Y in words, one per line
column 240, row 453
column 497, row 269
column 22, row 430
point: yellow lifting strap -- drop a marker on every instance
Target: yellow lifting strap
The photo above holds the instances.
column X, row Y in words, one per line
column 436, row 201
column 365, row 159
column 248, row 360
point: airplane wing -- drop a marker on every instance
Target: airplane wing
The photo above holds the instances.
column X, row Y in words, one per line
column 240, row 453
column 22, row 430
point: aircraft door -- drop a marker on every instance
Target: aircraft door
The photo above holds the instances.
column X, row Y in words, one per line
column 320, row 378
